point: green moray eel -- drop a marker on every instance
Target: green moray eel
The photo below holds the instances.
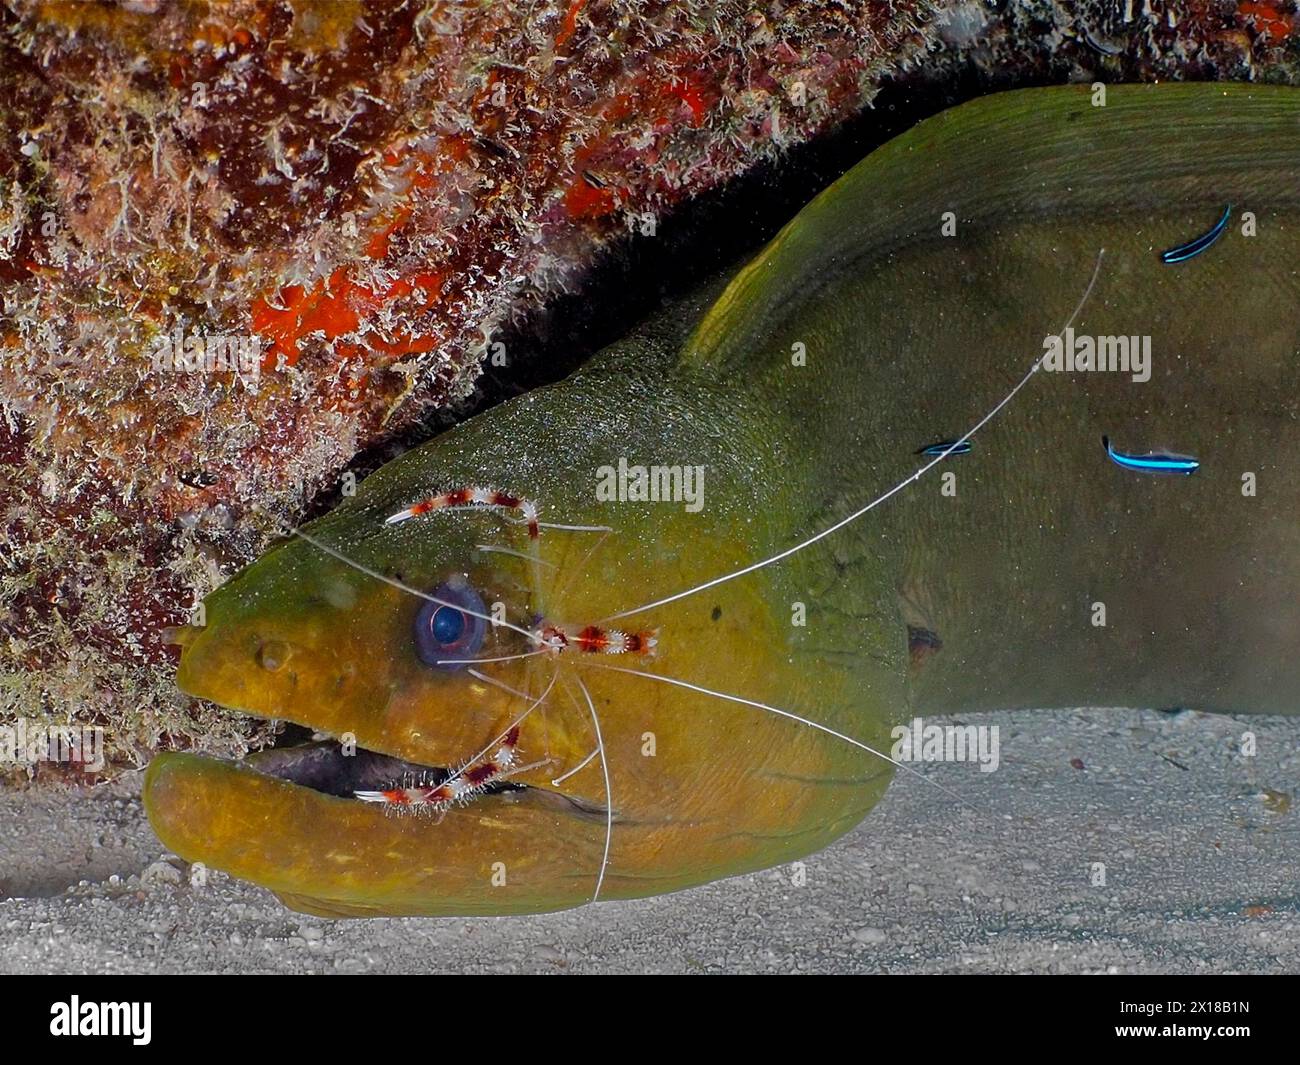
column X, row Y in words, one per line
column 897, row 309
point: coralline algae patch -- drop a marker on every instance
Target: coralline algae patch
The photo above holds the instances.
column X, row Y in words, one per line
column 362, row 189
column 1273, row 21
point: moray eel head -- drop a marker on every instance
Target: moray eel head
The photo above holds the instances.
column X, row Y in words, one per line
column 325, row 632
column 375, row 671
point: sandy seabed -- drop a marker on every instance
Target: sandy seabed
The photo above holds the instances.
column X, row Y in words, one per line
column 1199, row 843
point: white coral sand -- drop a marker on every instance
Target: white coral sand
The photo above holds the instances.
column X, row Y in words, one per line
column 1199, row 843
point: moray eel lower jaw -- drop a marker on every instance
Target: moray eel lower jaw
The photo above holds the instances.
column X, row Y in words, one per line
column 297, row 841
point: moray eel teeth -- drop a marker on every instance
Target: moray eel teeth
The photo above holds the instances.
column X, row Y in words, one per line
column 327, row 767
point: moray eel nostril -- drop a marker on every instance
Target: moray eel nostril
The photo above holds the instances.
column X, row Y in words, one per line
column 897, row 309
column 272, row 655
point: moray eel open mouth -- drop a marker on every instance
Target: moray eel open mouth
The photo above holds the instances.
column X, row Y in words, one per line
column 328, row 767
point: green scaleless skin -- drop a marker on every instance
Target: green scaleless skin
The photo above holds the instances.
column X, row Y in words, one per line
column 862, row 333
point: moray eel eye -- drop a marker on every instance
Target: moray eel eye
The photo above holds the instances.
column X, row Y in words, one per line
column 448, row 624
column 452, row 629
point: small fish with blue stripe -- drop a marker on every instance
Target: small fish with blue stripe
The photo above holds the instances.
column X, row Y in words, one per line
column 1193, row 248
column 947, row 447
column 1153, row 462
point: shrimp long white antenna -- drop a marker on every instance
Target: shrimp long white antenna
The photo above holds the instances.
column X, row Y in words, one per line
column 497, row 549
column 576, row 769
column 789, row 715
column 575, row 528
column 495, row 658
column 361, row 567
column 609, row 798
column 497, row 684
column 916, row 476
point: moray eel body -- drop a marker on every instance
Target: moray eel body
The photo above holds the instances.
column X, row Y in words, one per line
column 874, row 324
